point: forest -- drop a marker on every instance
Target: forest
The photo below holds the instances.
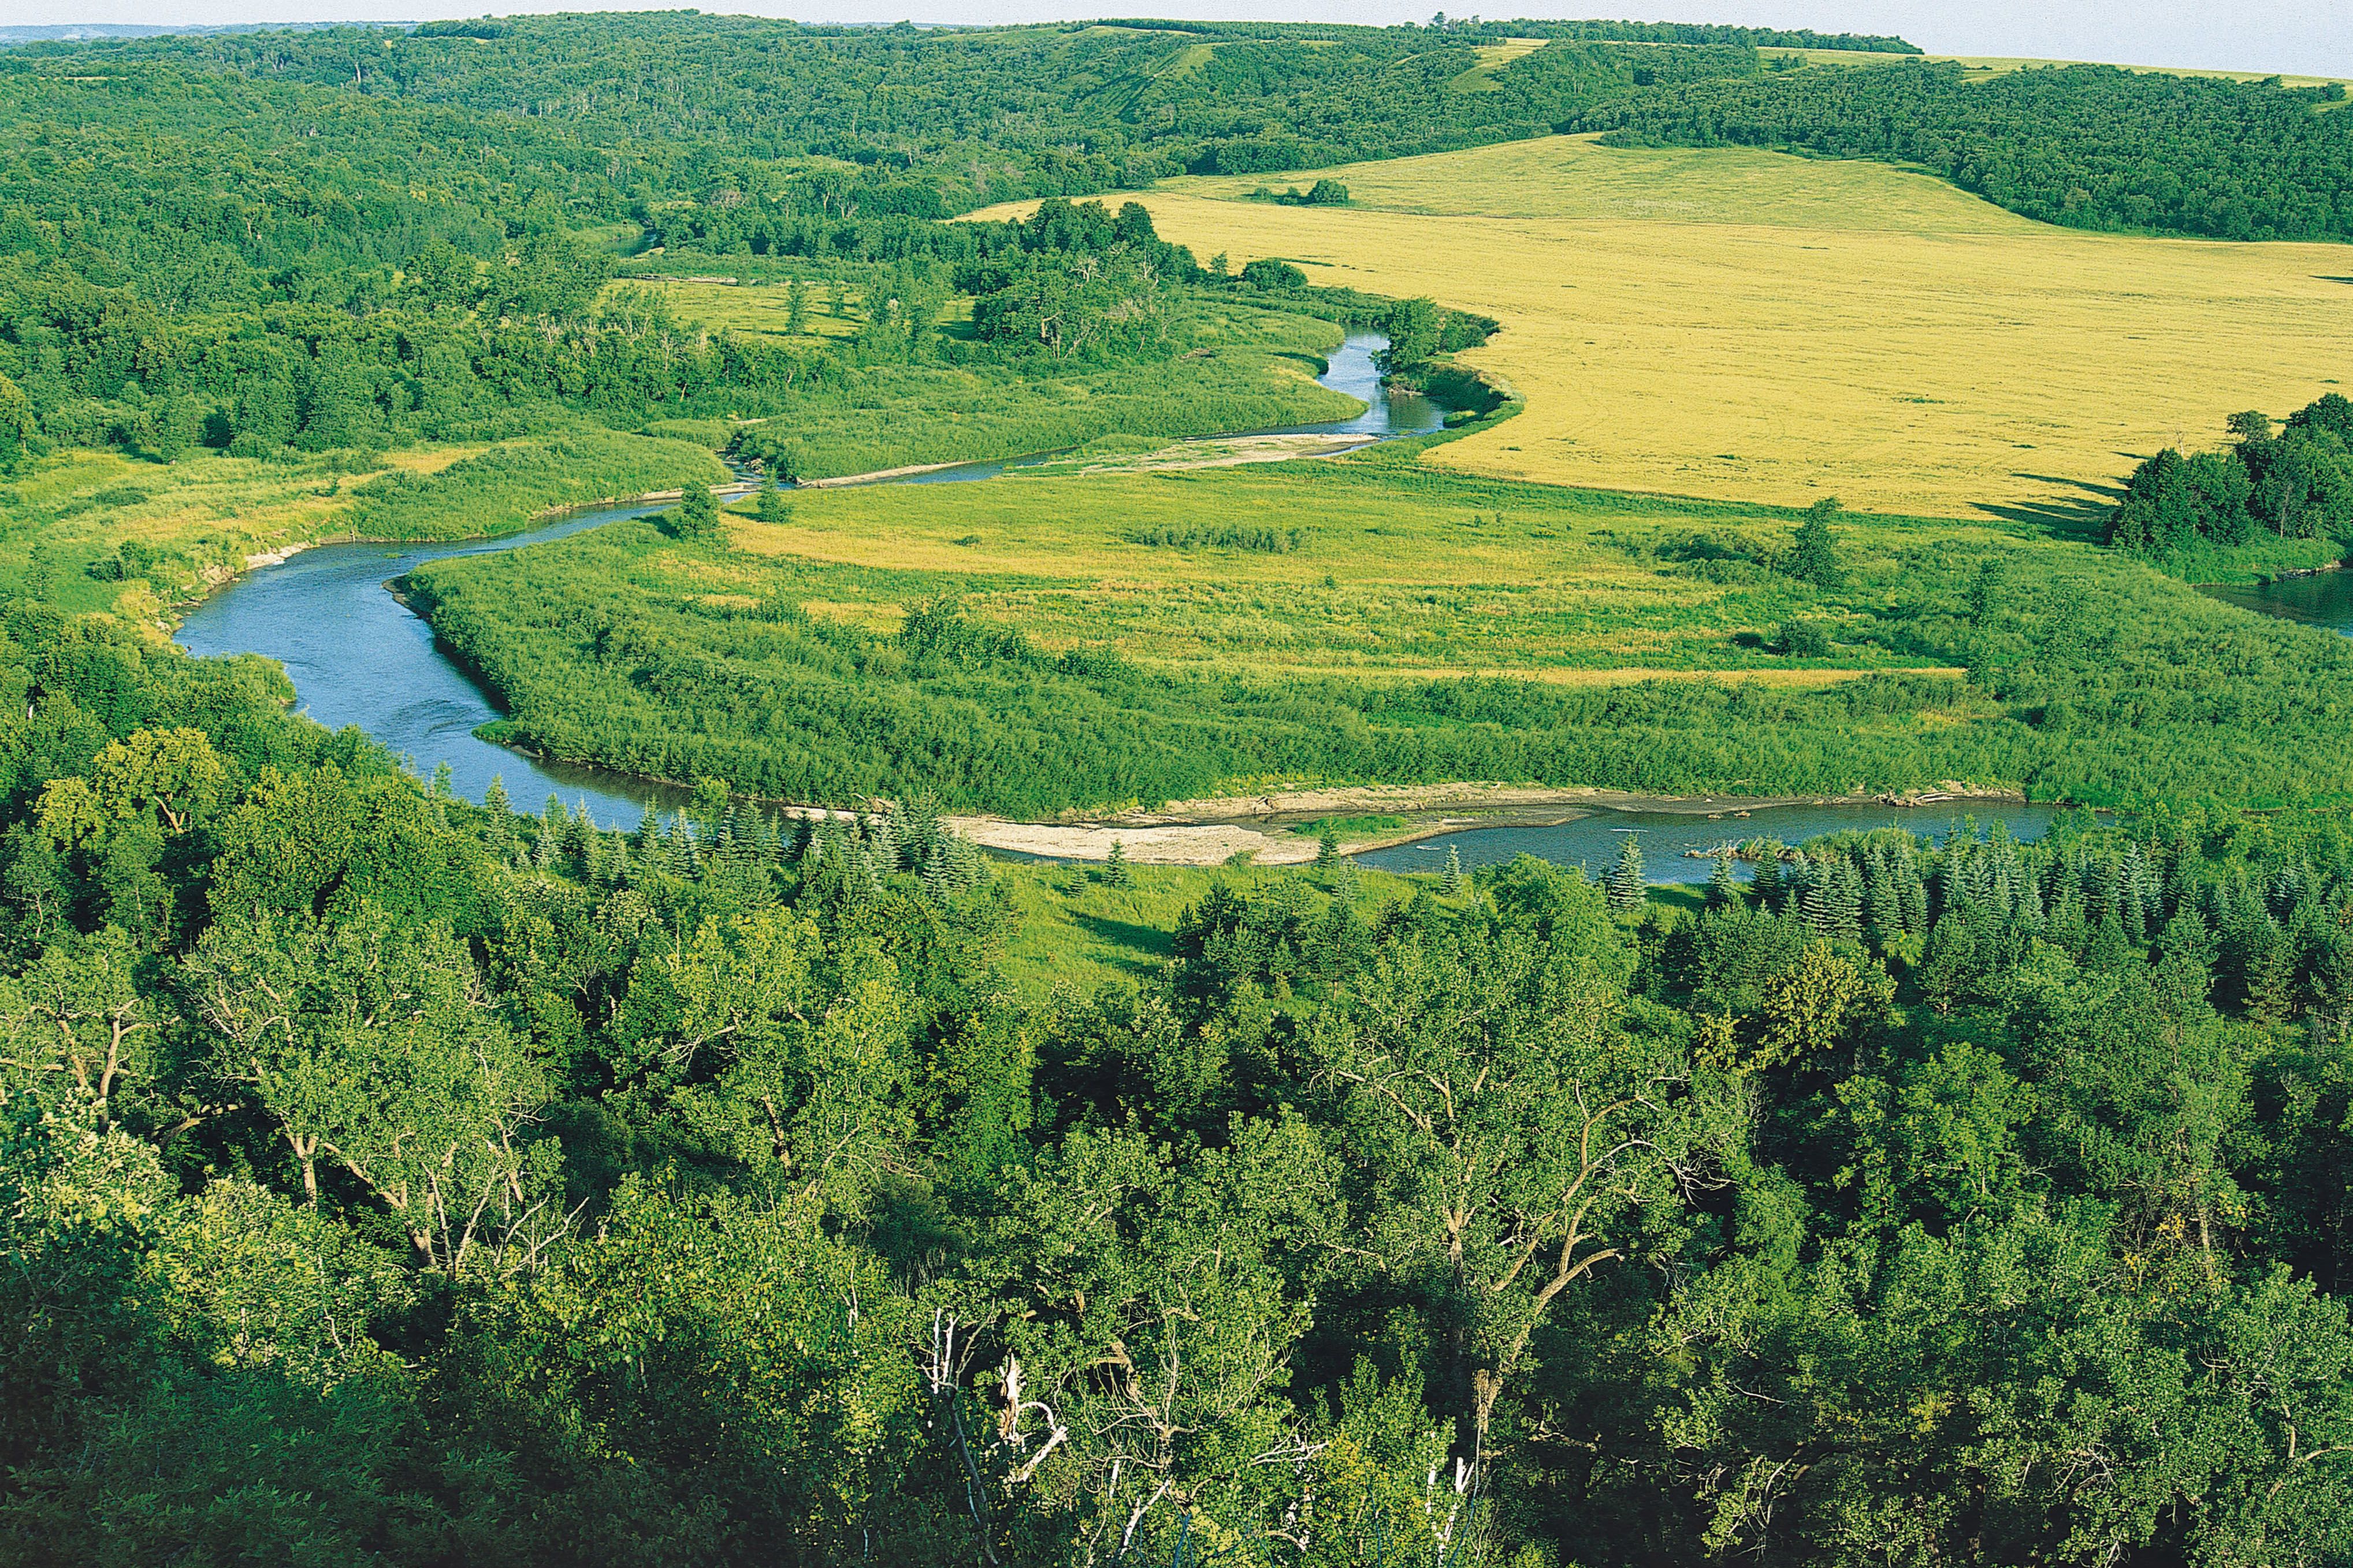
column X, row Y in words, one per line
column 2082, row 145
column 389, row 1179
column 2295, row 483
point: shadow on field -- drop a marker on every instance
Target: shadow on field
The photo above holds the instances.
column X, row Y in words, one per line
column 2072, row 518
column 1147, row 947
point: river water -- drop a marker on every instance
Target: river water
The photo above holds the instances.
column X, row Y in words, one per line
column 2323, row 599
column 358, row 656
column 1666, row 837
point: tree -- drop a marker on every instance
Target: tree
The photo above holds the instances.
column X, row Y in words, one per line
column 369, row 1046
column 1813, row 551
column 78, row 1014
column 1328, row 848
column 1115, row 868
column 1507, row 1135
column 17, row 424
column 1450, row 883
column 697, row 517
column 170, row 773
column 796, row 308
column 772, row 507
column 1627, row 888
column 1724, row 882
column 1412, row 328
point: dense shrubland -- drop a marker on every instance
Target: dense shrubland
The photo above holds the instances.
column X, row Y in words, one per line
column 2086, row 678
column 389, row 1179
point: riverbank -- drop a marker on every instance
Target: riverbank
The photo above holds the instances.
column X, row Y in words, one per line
column 218, row 577
column 1267, row 828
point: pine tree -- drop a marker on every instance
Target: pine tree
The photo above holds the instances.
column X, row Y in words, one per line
column 494, row 801
column 773, row 506
column 1843, row 897
column 1626, row 886
column 1723, row 883
column 1328, row 848
column 1115, row 869
column 1451, row 882
column 1769, row 885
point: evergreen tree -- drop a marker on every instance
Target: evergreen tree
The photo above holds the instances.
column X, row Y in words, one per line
column 1723, row 882
column 1328, row 848
column 1115, row 869
column 1627, row 888
column 697, row 517
column 773, row 506
column 1450, row 883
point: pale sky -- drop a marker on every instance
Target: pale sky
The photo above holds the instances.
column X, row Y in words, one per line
column 2293, row 36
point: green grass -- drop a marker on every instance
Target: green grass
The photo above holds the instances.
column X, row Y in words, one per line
column 1075, row 930
column 1349, row 826
column 1432, row 628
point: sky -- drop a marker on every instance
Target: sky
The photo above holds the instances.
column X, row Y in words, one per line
column 2291, row 36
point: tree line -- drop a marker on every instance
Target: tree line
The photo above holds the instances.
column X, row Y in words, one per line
column 2084, row 146
column 2295, row 482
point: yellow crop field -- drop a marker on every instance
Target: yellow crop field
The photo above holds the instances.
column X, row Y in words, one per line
column 1746, row 325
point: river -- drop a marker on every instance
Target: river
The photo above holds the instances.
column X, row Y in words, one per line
column 359, row 656
column 2322, row 599
column 1592, row 840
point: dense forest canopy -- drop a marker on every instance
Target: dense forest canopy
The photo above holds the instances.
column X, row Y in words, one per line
column 2087, row 146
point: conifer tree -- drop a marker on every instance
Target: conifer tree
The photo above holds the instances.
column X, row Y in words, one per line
column 1450, row 883
column 1723, row 883
column 1626, row 885
column 1328, row 848
column 1115, row 868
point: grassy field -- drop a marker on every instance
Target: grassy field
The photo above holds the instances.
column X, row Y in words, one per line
column 1996, row 65
column 1395, row 574
column 1747, row 325
column 1076, row 930
column 1231, row 365
column 831, row 310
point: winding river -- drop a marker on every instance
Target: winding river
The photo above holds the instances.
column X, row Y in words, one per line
column 357, row 656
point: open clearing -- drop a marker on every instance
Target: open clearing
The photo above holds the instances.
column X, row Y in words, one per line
column 1381, row 572
column 1747, row 325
